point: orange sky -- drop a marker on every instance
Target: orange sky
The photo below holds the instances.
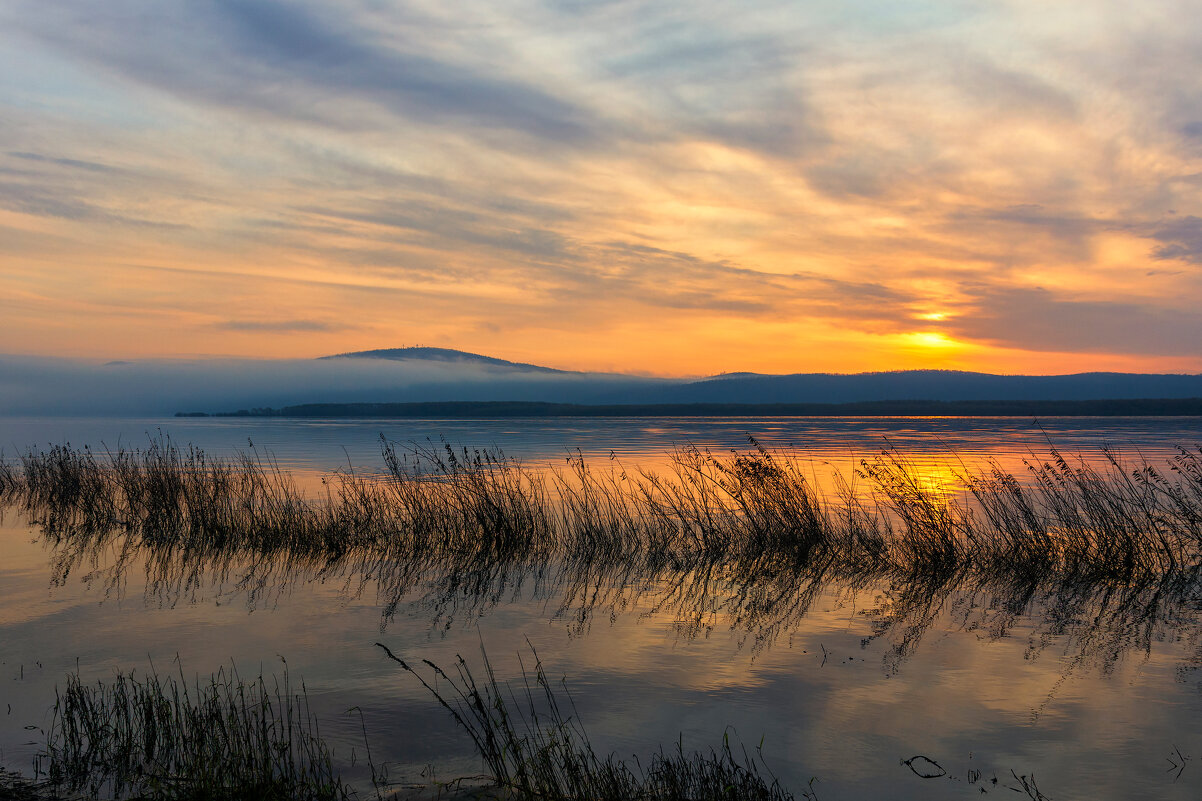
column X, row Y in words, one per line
column 633, row 187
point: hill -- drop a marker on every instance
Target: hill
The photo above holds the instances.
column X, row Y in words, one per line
column 445, row 355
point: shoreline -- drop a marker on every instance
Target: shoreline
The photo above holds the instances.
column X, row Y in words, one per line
column 1135, row 407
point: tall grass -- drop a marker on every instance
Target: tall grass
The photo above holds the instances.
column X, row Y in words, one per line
column 155, row 737
column 744, row 537
column 535, row 747
column 1123, row 519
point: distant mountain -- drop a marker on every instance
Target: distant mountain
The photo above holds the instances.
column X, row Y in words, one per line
column 36, row 385
column 748, row 387
column 376, row 381
column 442, row 355
column 938, row 385
column 726, row 376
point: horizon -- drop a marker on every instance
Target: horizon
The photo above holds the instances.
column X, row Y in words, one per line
column 637, row 188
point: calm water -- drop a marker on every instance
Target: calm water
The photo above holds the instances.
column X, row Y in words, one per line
column 840, row 682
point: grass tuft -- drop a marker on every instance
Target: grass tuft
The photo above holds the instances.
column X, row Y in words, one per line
column 535, row 747
column 162, row 738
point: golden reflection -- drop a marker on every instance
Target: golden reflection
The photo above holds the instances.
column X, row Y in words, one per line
column 940, row 477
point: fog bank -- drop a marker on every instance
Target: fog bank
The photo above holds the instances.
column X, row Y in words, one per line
column 40, row 386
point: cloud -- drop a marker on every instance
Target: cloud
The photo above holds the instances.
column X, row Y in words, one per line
column 654, row 277
column 1029, row 232
column 1011, row 91
column 1182, row 240
column 444, row 223
column 90, row 166
column 56, row 186
column 303, row 62
column 341, row 65
column 1037, row 319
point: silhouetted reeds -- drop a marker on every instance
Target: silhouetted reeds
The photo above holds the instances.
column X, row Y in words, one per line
column 1124, row 518
column 747, row 537
column 162, row 738
column 535, row 746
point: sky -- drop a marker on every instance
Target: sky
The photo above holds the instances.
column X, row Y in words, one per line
column 658, row 188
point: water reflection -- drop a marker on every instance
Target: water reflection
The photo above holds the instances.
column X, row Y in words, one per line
column 1094, row 622
column 323, row 445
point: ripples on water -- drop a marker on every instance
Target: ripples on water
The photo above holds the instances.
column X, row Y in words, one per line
column 1089, row 687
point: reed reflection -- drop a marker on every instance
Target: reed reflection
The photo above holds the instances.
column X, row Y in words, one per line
column 1103, row 563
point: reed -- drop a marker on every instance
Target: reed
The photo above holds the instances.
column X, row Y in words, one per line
column 163, row 738
column 1128, row 520
column 535, row 747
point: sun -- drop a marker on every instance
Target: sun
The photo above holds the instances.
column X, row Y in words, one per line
column 931, row 339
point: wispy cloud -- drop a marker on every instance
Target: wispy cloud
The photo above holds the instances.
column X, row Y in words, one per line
column 1182, row 240
column 1040, row 320
column 303, row 62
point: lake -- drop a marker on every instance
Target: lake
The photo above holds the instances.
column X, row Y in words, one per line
column 838, row 679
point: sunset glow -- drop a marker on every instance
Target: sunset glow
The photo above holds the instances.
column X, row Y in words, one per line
column 644, row 187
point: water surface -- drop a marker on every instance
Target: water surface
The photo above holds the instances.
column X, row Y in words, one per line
column 840, row 680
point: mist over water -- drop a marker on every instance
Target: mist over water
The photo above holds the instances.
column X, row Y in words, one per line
column 40, row 386
column 37, row 386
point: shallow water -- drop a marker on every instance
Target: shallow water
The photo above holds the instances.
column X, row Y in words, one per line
column 333, row 444
column 842, row 685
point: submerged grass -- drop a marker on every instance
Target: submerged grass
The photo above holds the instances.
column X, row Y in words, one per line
column 162, row 738
column 535, row 747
